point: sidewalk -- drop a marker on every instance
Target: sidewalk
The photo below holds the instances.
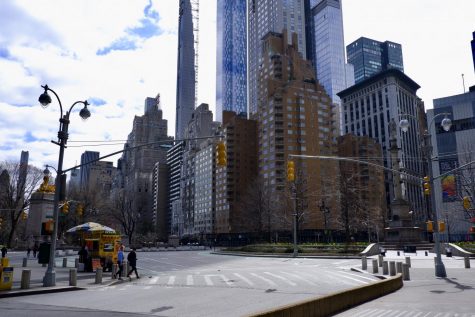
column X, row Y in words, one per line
column 425, row 294
column 84, row 279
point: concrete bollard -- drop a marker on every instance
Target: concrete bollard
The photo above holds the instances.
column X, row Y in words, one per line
column 380, row 260
column 73, row 277
column 408, row 260
column 405, row 272
column 392, row 268
column 114, row 270
column 364, row 263
column 427, row 253
column 25, row 279
column 385, row 268
column 467, row 262
column 375, row 266
column 76, row 263
column 99, row 275
column 125, row 269
column 65, row 262
column 398, row 253
column 398, row 267
column 25, row 262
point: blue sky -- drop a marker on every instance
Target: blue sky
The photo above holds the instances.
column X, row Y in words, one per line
column 115, row 53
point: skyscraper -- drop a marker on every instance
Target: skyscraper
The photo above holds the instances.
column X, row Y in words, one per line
column 185, row 85
column 473, row 49
column 328, row 47
column 370, row 57
column 266, row 16
column 231, row 57
column 85, row 170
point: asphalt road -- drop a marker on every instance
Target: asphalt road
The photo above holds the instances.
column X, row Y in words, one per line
column 197, row 283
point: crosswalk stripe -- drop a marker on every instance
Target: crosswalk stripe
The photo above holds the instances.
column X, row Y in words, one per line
column 208, row 280
column 372, row 279
column 264, row 279
column 281, row 278
column 226, row 280
column 189, row 280
column 299, row 278
column 171, row 280
column 345, row 276
column 365, row 312
column 154, row 280
column 244, row 279
column 339, row 280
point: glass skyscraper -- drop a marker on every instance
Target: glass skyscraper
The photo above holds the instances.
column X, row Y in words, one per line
column 370, row 57
column 185, row 86
column 329, row 48
column 231, row 57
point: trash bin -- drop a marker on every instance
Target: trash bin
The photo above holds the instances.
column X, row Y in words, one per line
column 6, row 278
column 43, row 254
column 448, row 252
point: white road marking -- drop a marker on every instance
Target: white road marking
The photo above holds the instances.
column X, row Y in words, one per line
column 154, row 280
column 189, row 280
column 299, row 278
column 226, row 280
column 208, row 280
column 171, row 280
column 371, row 278
column 281, row 278
column 345, row 276
column 245, row 279
column 264, row 279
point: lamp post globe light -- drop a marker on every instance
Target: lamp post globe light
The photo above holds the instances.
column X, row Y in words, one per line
column 45, row 99
column 445, row 124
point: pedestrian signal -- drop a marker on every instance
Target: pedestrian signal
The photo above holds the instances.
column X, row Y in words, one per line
column 426, row 185
column 221, row 157
column 290, row 171
column 466, row 203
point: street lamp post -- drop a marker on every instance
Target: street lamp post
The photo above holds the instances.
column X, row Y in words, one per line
column 45, row 99
column 446, row 124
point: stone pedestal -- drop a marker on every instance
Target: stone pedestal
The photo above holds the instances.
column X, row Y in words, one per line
column 41, row 210
column 401, row 230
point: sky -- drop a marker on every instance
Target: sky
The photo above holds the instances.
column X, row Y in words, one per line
column 115, row 53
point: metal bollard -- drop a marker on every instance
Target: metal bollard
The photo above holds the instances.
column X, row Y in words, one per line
column 65, row 262
column 99, row 275
column 380, row 260
column 399, row 267
column 73, row 277
column 385, row 268
column 364, row 263
column 408, row 260
column 114, row 270
column 25, row 279
column 405, row 272
column 76, row 263
column 375, row 266
column 467, row 262
column 25, row 262
column 392, row 268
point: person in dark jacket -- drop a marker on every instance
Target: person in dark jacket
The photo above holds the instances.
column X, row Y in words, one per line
column 4, row 251
column 132, row 258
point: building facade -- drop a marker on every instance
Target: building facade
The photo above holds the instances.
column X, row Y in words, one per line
column 160, row 201
column 294, row 118
column 266, row 16
column 368, row 108
column 234, row 181
column 174, row 162
column 370, row 57
column 185, row 86
column 231, row 57
column 473, row 49
column 454, row 149
column 85, row 170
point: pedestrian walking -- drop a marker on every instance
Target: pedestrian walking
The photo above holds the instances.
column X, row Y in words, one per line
column 28, row 251
column 132, row 258
column 35, row 250
column 120, row 261
column 4, row 251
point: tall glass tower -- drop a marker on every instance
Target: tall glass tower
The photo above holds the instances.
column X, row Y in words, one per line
column 231, row 57
column 329, row 48
column 370, row 57
column 185, row 85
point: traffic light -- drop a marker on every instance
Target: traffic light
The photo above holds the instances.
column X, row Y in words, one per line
column 290, row 171
column 221, row 154
column 430, row 227
column 426, row 185
column 79, row 209
column 441, row 226
column 65, row 208
column 466, row 203
column 24, row 215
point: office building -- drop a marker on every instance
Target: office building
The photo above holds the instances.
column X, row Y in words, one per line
column 370, row 57
column 454, row 149
column 473, row 49
column 86, row 157
column 368, row 108
column 185, row 86
column 174, row 162
column 266, row 16
column 160, row 201
column 231, row 57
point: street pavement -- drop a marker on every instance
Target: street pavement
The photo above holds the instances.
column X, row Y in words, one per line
column 192, row 283
column 425, row 295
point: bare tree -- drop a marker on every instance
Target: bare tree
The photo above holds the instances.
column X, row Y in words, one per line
column 121, row 209
column 17, row 183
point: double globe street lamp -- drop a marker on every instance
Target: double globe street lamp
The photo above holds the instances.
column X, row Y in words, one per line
column 45, row 99
column 445, row 124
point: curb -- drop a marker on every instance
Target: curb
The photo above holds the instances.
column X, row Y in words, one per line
column 285, row 255
column 336, row 302
column 48, row 290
